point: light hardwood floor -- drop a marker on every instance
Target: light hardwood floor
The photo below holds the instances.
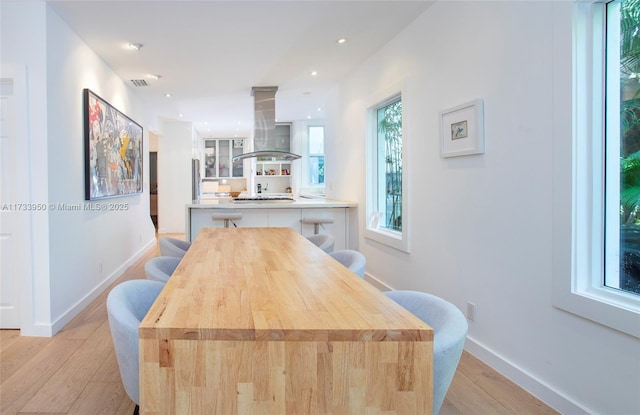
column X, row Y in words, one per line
column 75, row 372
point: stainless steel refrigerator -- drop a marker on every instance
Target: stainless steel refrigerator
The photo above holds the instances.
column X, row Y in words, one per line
column 195, row 179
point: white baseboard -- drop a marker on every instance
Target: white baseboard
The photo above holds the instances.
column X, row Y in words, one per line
column 525, row 380
column 376, row 282
column 37, row 330
column 510, row 370
column 74, row 310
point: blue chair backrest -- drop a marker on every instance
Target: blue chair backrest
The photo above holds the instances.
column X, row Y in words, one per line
column 127, row 304
column 173, row 247
column 450, row 330
column 161, row 268
column 351, row 259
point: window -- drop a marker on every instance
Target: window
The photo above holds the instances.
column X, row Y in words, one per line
column 597, row 258
column 622, row 148
column 386, row 173
column 316, row 155
column 389, row 184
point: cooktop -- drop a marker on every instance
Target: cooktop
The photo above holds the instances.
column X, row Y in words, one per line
column 263, row 199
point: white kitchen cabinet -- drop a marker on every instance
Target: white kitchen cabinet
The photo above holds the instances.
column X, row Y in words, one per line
column 218, row 155
column 285, row 218
column 273, row 176
column 252, row 218
column 272, row 169
column 201, row 218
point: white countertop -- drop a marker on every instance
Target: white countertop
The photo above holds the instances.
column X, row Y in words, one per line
column 298, row 203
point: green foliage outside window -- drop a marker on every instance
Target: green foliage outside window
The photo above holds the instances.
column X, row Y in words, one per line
column 390, row 127
column 630, row 111
column 630, row 145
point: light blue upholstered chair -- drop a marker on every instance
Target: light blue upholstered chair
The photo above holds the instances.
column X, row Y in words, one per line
column 160, row 268
column 127, row 304
column 173, row 247
column 323, row 241
column 351, row 259
column 450, row 330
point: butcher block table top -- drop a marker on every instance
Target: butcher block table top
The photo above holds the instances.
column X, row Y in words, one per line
column 272, row 284
column 262, row 321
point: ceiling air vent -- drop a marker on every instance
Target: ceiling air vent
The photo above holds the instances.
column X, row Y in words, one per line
column 139, row 82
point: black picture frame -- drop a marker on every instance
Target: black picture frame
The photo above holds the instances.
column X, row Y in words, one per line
column 112, row 149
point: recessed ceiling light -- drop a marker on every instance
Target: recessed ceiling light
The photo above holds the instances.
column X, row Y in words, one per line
column 319, row 109
column 156, row 77
column 314, row 73
column 168, row 95
column 342, row 40
column 136, row 46
column 180, row 115
column 309, row 116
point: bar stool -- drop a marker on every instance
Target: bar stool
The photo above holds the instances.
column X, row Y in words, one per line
column 227, row 218
column 317, row 222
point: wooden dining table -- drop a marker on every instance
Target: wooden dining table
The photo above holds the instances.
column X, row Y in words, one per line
column 261, row 321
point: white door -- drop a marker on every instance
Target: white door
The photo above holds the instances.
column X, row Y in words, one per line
column 12, row 211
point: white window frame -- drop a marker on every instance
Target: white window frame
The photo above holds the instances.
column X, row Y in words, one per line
column 578, row 187
column 393, row 239
column 309, row 155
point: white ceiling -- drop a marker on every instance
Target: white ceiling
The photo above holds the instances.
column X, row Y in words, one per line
column 210, row 53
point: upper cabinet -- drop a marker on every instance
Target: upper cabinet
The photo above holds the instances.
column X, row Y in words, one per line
column 218, row 155
column 282, row 137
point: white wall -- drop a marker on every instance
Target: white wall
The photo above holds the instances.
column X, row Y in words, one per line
column 175, row 151
column 76, row 253
column 481, row 225
column 87, row 249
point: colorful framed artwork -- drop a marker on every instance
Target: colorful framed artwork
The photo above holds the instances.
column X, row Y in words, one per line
column 462, row 130
column 113, row 150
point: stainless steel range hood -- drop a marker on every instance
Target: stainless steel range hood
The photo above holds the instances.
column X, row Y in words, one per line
column 265, row 141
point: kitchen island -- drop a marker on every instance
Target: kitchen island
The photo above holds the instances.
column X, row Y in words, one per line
column 297, row 214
